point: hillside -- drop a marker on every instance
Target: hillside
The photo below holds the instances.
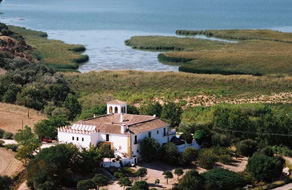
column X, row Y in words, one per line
column 11, row 117
column 53, row 53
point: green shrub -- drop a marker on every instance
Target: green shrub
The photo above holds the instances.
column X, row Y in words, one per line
column 12, row 147
column 1, row 143
column 267, row 151
column 200, row 136
column 246, row 147
column 86, row 184
column 207, row 158
column 7, row 135
column 189, row 155
column 225, row 159
column 192, row 180
column 170, row 154
column 1, row 133
column 221, row 179
column 265, row 168
column 5, row 182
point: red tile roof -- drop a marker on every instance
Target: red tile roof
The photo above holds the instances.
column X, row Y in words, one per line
column 111, row 123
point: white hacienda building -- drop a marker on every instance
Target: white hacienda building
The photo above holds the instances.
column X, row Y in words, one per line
column 117, row 128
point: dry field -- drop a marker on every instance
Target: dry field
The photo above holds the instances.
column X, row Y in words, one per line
column 11, row 117
column 8, row 164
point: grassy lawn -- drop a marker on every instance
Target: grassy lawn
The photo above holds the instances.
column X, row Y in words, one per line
column 54, row 53
column 138, row 86
column 258, row 52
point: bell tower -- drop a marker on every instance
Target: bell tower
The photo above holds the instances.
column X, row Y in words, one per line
column 116, row 106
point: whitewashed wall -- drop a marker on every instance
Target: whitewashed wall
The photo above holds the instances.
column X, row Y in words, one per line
column 118, row 106
column 65, row 137
column 117, row 140
column 161, row 139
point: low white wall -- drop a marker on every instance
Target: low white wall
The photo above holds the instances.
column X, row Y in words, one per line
column 194, row 144
column 106, row 163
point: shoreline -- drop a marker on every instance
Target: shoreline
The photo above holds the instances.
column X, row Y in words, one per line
column 53, row 53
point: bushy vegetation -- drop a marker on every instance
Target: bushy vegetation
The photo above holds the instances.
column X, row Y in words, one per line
column 56, row 166
column 5, row 182
column 48, row 127
column 222, row 179
column 265, row 168
column 246, row 147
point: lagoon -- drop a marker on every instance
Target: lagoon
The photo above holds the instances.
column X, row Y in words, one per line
column 102, row 26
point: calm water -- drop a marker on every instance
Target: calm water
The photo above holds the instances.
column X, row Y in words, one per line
column 104, row 25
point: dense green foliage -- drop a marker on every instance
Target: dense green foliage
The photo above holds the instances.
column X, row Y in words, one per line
column 57, row 165
column 48, row 127
column 5, row 182
column 124, row 182
column 140, row 185
column 86, row 184
column 221, row 179
column 170, row 154
column 151, row 108
column 246, row 147
column 265, row 168
column 207, row 158
column 7, row 135
column 28, row 144
column 171, row 112
column 95, row 110
column 191, row 180
column 149, row 149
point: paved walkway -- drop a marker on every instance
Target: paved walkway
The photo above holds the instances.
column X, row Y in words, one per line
column 285, row 187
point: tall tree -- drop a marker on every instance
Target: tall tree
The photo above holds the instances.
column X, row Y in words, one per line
column 167, row 175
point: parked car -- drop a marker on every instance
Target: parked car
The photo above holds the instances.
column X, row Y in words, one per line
column 47, row 140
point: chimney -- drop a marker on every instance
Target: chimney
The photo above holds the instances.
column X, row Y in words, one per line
column 123, row 128
column 154, row 115
column 121, row 118
column 94, row 115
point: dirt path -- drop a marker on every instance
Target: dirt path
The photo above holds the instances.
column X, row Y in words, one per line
column 8, row 164
column 23, row 186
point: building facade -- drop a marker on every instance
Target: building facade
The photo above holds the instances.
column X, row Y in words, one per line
column 121, row 130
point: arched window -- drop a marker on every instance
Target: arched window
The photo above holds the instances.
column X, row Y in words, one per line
column 116, row 109
column 123, row 110
column 110, row 109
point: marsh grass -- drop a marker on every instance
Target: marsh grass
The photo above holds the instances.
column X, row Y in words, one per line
column 165, row 43
column 53, row 53
column 138, row 86
column 262, row 53
column 268, row 35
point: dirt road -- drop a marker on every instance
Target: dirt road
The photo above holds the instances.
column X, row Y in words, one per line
column 8, row 164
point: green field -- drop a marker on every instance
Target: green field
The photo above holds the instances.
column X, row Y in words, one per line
column 185, row 88
column 54, row 53
column 258, row 52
